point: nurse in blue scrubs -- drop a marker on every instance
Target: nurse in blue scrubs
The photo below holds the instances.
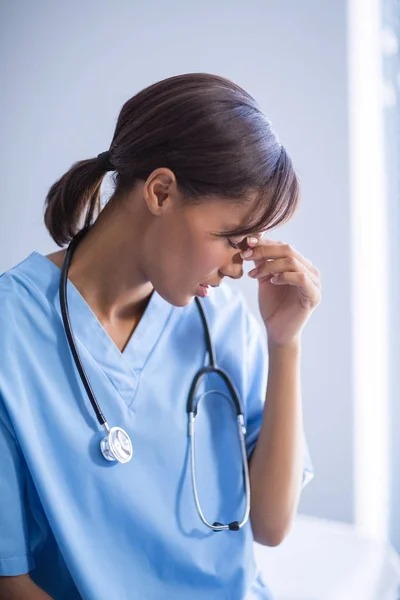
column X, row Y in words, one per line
column 199, row 175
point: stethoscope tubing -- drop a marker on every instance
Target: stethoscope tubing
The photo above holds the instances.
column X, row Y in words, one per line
column 108, row 444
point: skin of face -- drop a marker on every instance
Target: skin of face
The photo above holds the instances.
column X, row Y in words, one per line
column 182, row 248
column 152, row 239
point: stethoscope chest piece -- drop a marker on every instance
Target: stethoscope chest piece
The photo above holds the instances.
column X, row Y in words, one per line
column 117, row 445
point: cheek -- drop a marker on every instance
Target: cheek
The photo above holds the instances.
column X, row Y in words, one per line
column 185, row 256
column 181, row 261
column 193, row 262
column 192, row 265
column 209, row 259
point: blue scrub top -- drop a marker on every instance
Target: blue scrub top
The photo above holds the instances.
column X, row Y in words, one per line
column 87, row 528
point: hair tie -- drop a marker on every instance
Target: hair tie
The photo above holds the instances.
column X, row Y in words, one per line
column 104, row 160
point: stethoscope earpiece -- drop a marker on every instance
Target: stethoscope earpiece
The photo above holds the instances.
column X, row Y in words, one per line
column 117, row 445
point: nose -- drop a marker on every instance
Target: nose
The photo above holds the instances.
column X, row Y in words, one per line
column 234, row 269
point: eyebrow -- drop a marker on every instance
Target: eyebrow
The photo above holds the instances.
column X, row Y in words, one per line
column 228, row 233
column 231, row 233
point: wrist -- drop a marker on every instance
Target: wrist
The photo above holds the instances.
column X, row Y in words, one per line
column 293, row 345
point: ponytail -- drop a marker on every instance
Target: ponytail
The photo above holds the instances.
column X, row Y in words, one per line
column 75, row 193
column 208, row 131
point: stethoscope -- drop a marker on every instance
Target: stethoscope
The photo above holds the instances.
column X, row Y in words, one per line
column 117, row 445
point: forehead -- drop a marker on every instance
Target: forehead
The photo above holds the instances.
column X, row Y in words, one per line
column 222, row 215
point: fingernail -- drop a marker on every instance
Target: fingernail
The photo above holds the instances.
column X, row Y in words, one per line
column 246, row 253
column 253, row 273
column 252, row 240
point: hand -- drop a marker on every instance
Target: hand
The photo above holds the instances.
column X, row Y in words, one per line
column 286, row 302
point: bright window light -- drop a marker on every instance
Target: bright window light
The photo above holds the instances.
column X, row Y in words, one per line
column 370, row 277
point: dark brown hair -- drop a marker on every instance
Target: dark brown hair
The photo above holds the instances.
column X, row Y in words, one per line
column 209, row 132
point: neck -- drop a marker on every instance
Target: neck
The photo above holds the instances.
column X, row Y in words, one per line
column 106, row 266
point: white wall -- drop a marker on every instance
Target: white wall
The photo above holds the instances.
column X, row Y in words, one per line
column 68, row 68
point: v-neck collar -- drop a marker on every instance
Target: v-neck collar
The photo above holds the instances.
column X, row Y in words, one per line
column 119, row 366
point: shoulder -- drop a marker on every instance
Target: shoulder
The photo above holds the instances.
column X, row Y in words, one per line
column 12, row 291
column 15, row 288
column 14, row 276
column 32, row 276
column 22, row 297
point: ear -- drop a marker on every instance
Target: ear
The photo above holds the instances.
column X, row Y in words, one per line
column 160, row 191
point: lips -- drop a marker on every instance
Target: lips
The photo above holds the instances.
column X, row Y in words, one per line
column 203, row 291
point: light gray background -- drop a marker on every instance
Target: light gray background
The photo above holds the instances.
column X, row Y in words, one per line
column 66, row 68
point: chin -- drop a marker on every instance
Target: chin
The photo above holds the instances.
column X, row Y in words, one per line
column 182, row 304
column 176, row 300
column 183, row 300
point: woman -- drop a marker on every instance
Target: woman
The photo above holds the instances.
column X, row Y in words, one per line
column 199, row 175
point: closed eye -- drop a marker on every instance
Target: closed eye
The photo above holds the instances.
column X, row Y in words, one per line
column 232, row 244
